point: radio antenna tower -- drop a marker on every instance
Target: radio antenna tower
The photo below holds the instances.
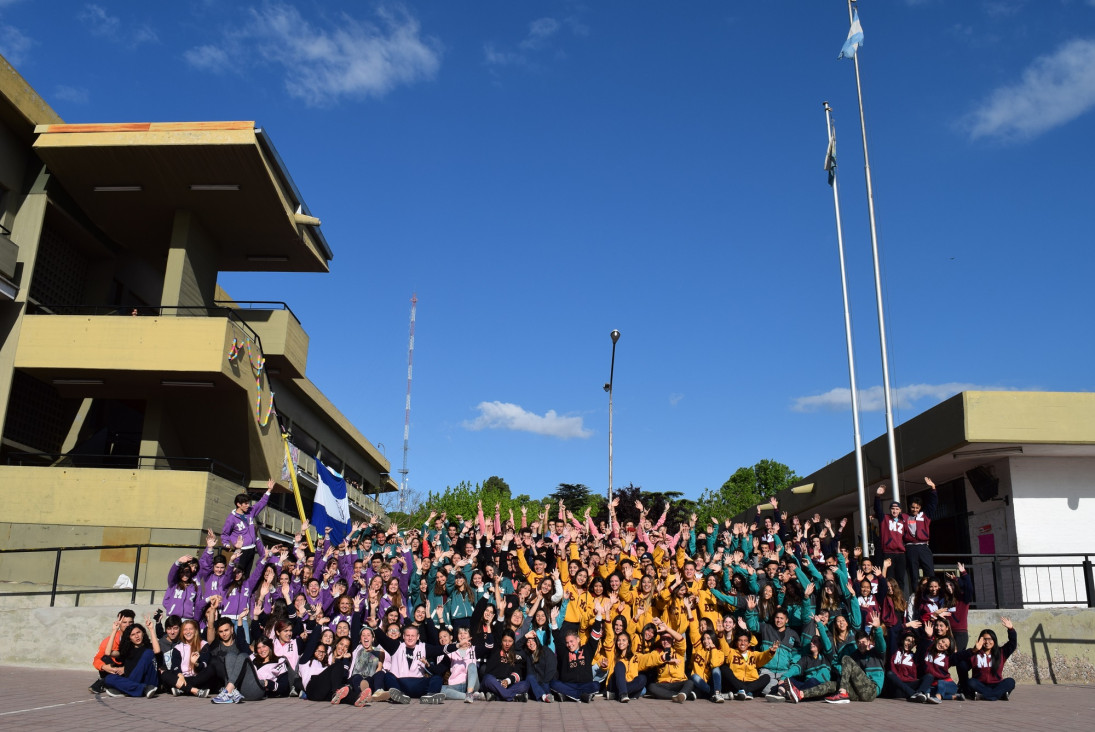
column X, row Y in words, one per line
column 407, row 415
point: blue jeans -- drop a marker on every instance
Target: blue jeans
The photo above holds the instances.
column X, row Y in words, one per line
column 457, row 692
column 538, row 688
column 619, row 684
column 902, row 689
column 413, row 687
column 490, row 683
column 143, row 675
column 992, row 692
column 574, row 690
column 703, row 688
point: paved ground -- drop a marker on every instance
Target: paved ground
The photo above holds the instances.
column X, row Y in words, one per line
column 37, row 699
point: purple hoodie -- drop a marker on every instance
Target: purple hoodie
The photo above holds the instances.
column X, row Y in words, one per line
column 236, row 525
column 237, row 601
column 179, row 600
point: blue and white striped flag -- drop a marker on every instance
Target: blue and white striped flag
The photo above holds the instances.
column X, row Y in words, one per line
column 331, row 506
column 855, row 38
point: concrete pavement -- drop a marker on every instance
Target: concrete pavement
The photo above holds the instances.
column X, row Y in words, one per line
column 41, row 699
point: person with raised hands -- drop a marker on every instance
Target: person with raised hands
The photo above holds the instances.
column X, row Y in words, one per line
column 986, row 661
column 862, row 669
column 240, row 530
column 182, row 596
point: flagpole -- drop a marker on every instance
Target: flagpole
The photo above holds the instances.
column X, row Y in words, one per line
column 848, row 337
column 296, row 488
column 877, row 285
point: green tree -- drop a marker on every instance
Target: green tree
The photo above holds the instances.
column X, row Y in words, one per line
column 463, row 500
column 494, row 484
column 747, row 487
column 574, row 495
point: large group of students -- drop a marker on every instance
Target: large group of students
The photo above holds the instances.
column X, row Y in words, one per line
column 556, row 608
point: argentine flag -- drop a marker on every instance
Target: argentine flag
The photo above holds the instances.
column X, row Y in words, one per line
column 331, row 507
column 855, row 38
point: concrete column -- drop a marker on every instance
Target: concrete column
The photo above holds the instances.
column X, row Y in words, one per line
column 26, row 230
column 191, row 275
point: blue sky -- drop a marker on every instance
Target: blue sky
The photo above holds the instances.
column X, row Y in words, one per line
column 543, row 172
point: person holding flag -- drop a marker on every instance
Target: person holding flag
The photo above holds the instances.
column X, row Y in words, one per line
column 331, row 507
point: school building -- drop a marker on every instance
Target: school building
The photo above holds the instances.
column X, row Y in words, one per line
column 136, row 396
column 1015, row 472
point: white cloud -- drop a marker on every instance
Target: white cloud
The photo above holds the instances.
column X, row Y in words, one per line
column 675, row 399
column 541, row 36
column 539, row 32
column 14, row 44
column 873, row 400
column 208, row 58
column 345, row 58
column 100, row 23
column 71, row 94
column 1054, row 90
column 506, row 416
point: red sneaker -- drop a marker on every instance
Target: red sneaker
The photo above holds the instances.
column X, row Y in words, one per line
column 841, row 697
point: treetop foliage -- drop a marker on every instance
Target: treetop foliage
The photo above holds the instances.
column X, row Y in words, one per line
column 747, row 487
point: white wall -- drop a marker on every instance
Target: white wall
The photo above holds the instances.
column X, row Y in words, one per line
column 1053, row 502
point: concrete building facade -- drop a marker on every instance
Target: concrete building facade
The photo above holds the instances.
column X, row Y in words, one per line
column 137, row 398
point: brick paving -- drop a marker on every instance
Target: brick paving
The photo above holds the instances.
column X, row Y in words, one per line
column 40, row 699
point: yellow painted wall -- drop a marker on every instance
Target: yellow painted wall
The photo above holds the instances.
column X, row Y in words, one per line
column 72, row 507
column 104, row 496
column 86, row 343
column 282, row 337
column 1027, row 416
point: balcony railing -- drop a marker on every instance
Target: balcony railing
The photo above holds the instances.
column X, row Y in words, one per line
column 190, row 311
column 128, row 462
column 258, row 305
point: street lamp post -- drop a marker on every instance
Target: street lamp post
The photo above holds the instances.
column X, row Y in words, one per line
column 615, row 336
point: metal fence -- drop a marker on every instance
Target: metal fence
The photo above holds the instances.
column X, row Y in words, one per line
column 1000, row 580
column 131, row 462
column 54, row 591
column 1022, row 580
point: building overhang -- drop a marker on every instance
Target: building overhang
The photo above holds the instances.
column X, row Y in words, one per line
column 969, row 430
column 131, row 179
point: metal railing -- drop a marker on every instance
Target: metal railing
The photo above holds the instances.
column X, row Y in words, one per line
column 1019, row 580
column 131, row 462
column 202, row 311
column 258, row 305
column 1011, row 579
column 54, row 592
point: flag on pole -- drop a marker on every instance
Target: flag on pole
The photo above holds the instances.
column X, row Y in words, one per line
column 331, row 506
column 830, row 156
column 855, row 38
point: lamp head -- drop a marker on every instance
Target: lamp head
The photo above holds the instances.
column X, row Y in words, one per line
column 615, row 335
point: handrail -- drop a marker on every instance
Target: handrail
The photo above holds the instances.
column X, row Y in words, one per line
column 147, row 310
column 58, row 551
column 251, row 305
column 100, row 547
column 157, row 462
column 1085, row 565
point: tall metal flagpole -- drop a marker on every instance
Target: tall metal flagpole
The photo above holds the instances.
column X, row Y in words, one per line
column 830, row 165
column 877, row 284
